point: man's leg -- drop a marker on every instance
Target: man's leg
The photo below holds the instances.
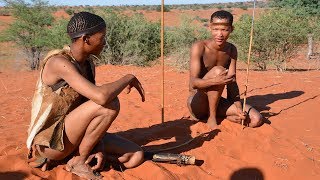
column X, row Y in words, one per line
column 229, row 111
column 122, row 151
column 203, row 104
column 198, row 105
column 214, row 95
column 84, row 127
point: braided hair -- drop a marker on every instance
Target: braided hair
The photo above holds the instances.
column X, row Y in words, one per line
column 84, row 23
column 222, row 15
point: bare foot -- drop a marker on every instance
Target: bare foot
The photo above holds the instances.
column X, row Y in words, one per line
column 235, row 119
column 212, row 123
column 77, row 166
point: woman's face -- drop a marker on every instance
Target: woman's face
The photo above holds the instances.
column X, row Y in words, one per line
column 97, row 42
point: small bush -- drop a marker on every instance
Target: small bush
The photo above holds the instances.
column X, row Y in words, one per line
column 69, row 11
column 202, row 20
column 178, row 41
column 4, row 12
column 244, row 7
column 131, row 40
column 165, row 8
column 276, row 35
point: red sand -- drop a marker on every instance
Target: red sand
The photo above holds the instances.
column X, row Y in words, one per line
column 173, row 17
column 286, row 149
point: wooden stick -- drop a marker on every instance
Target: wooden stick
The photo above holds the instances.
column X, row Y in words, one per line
column 162, row 61
column 248, row 62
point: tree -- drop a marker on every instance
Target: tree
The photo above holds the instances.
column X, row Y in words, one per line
column 30, row 30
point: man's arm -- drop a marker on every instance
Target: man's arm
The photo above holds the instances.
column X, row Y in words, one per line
column 196, row 82
column 103, row 94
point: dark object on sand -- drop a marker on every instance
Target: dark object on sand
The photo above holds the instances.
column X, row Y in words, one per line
column 178, row 159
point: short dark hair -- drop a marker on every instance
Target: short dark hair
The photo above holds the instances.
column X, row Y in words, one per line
column 222, row 14
column 84, row 23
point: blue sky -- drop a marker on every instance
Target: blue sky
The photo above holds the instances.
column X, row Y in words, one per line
column 131, row 2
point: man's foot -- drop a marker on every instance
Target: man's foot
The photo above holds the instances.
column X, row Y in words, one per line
column 212, row 123
column 235, row 119
column 77, row 166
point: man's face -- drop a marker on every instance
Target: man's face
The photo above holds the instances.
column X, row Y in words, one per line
column 220, row 30
column 98, row 42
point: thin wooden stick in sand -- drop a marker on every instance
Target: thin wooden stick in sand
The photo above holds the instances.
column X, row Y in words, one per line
column 162, row 61
column 248, row 63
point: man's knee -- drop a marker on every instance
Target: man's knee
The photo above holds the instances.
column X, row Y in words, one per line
column 215, row 71
column 112, row 108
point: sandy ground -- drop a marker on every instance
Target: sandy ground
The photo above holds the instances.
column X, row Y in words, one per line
column 288, row 148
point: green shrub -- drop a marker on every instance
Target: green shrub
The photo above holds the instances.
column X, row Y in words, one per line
column 69, row 11
column 178, row 41
column 4, row 11
column 244, row 7
column 277, row 33
column 166, row 8
column 131, row 40
column 202, row 20
column 57, row 36
column 30, row 30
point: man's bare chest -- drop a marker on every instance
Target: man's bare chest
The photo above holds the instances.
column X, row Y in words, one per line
column 216, row 59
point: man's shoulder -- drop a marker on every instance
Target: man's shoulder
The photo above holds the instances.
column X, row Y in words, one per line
column 199, row 45
column 232, row 46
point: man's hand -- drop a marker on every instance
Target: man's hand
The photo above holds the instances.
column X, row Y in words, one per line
column 100, row 160
column 224, row 78
column 242, row 115
column 136, row 84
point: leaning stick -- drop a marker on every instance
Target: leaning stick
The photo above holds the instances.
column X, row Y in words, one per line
column 162, row 61
column 248, row 62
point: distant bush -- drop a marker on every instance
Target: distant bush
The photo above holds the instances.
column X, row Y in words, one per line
column 31, row 28
column 276, row 35
column 4, row 12
column 219, row 7
column 57, row 36
column 69, row 11
column 165, row 8
column 202, row 20
column 244, row 7
column 178, row 41
column 131, row 40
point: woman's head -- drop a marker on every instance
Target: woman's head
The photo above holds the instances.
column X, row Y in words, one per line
column 88, row 28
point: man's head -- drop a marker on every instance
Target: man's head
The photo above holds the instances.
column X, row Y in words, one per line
column 84, row 23
column 86, row 26
column 221, row 26
column 222, row 15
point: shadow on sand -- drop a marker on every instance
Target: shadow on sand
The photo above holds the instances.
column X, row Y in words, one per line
column 261, row 102
column 18, row 175
column 247, row 174
column 178, row 130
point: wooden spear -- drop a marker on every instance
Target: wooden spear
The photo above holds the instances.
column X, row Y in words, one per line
column 248, row 62
column 162, row 61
